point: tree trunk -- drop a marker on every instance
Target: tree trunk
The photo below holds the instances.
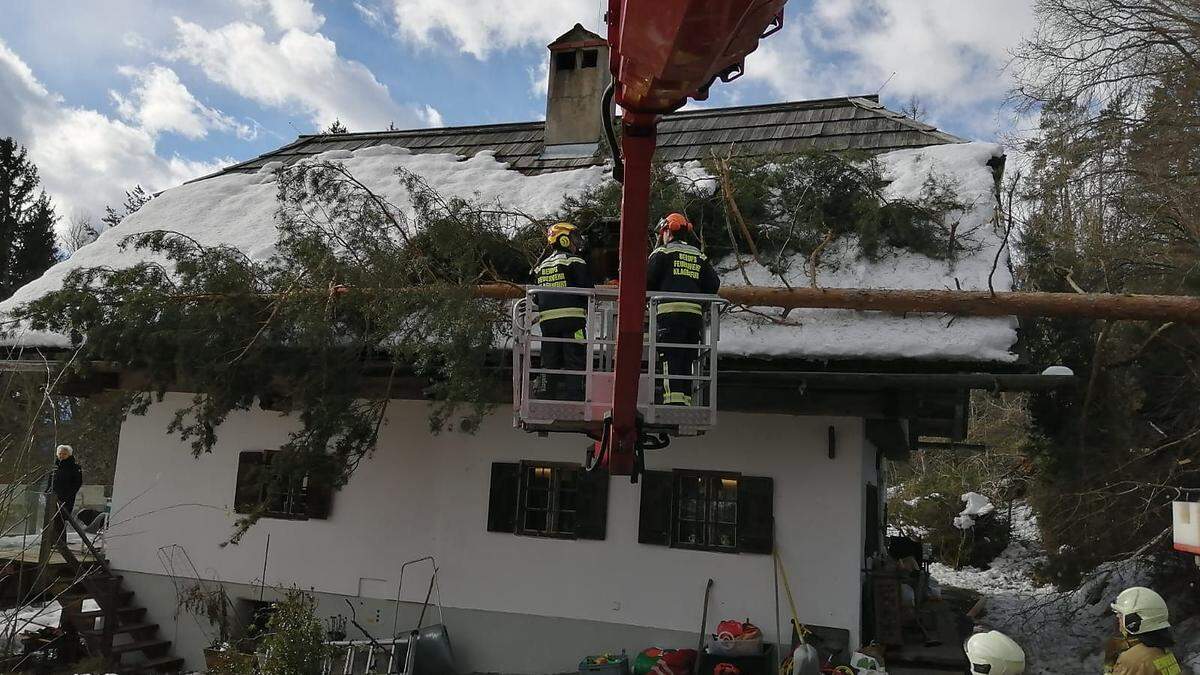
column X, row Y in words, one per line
column 1180, row 308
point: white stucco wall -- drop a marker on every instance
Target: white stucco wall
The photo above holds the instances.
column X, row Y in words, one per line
column 421, row 494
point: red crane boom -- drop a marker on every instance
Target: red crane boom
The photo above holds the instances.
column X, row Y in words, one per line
column 662, row 52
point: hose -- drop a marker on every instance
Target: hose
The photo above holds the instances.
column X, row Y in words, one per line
column 610, row 134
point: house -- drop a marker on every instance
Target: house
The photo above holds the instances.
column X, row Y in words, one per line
column 537, row 563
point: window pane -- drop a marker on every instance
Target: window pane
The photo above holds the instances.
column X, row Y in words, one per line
column 726, row 512
column 724, row 536
column 727, row 489
column 690, row 533
column 538, row 478
column 537, row 499
column 692, row 487
column 689, row 509
column 566, row 500
column 535, row 521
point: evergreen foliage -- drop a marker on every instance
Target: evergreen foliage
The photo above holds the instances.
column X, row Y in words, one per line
column 134, row 200
column 308, row 329
column 1111, row 204
column 26, row 220
column 792, row 205
column 366, row 296
column 294, row 643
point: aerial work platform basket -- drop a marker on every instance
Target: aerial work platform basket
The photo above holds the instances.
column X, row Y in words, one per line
column 536, row 408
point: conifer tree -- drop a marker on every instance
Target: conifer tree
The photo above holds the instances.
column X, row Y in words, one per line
column 26, row 220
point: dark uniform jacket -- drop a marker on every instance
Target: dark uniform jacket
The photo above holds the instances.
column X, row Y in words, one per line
column 681, row 268
column 561, row 269
column 66, row 479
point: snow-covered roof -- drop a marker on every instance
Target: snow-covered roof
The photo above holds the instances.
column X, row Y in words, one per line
column 238, row 209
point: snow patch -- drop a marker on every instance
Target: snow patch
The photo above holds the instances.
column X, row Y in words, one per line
column 976, row 505
column 1061, row 632
column 238, row 210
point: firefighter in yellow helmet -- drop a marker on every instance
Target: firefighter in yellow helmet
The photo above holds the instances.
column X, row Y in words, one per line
column 676, row 265
column 994, row 653
column 1144, row 647
column 562, row 315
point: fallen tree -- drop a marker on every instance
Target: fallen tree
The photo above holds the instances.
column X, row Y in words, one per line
column 1177, row 308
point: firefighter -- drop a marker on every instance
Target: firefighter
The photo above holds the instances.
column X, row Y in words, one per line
column 562, row 315
column 677, row 266
column 1144, row 647
column 994, row 653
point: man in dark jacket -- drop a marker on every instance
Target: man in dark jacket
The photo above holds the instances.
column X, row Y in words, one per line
column 562, row 315
column 677, row 266
column 66, row 479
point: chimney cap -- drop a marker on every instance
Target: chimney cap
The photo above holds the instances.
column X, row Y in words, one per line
column 576, row 38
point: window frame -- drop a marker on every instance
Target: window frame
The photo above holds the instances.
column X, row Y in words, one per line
column 297, row 501
column 553, row 508
column 590, row 58
column 710, row 502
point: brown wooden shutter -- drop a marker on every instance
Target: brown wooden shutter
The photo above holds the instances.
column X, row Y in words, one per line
column 319, row 497
column 249, row 481
column 502, row 500
column 592, row 514
column 756, row 515
column 654, row 520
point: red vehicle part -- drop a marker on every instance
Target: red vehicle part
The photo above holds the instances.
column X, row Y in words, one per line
column 661, row 53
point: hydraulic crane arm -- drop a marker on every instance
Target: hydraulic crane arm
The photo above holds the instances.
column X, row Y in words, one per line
column 662, row 52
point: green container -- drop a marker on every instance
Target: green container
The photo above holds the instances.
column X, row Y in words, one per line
column 613, row 665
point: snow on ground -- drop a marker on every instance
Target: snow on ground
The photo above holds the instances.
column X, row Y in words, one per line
column 1060, row 632
column 239, row 210
column 32, row 618
column 33, row 541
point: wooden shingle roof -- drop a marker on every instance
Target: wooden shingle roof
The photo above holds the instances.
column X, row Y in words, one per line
column 852, row 123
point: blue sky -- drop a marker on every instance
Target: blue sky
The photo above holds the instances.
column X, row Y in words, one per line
column 108, row 94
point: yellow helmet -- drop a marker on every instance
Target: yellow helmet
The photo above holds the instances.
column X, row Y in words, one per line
column 559, row 234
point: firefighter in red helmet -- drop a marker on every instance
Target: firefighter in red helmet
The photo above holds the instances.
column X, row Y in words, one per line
column 562, row 315
column 678, row 266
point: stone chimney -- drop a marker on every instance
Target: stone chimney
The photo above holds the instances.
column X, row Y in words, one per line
column 578, row 77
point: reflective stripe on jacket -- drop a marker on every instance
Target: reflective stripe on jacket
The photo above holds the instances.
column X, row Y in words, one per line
column 680, row 267
column 1141, row 659
column 561, row 269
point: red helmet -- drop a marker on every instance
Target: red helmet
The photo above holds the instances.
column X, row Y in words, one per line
column 674, row 222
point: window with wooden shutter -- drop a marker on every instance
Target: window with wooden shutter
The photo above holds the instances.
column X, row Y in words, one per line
column 277, row 494
column 548, row 499
column 707, row 510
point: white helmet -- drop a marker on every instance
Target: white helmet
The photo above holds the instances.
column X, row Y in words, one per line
column 1141, row 611
column 994, row 653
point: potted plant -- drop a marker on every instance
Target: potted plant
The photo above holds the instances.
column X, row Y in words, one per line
column 213, row 605
column 294, row 641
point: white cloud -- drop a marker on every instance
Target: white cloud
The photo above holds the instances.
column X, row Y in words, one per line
column 432, row 117
column 370, row 15
column 289, row 14
column 479, row 28
column 539, row 78
column 86, row 159
column 159, row 102
column 949, row 53
column 300, row 71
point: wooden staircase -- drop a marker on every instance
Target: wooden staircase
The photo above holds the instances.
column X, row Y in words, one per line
column 118, row 628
